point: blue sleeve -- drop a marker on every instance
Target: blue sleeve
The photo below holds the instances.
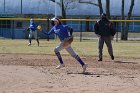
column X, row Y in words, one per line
column 44, row 32
column 51, row 31
column 48, row 33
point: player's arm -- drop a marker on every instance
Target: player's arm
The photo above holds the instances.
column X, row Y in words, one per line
column 96, row 28
column 36, row 26
column 28, row 29
column 48, row 33
column 112, row 29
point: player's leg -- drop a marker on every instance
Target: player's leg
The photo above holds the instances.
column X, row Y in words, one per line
column 37, row 41
column 36, row 36
column 100, row 47
column 56, row 50
column 73, row 54
column 109, row 46
column 30, row 38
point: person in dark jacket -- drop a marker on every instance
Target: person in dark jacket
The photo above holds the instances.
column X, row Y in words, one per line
column 105, row 31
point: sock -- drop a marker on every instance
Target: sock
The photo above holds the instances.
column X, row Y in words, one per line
column 37, row 41
column 79, row 60
column 59, row 57
column 30, row 40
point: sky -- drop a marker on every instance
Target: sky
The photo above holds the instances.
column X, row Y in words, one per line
column 48, row 7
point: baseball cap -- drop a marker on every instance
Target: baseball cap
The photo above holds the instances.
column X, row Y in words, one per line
column 31, row 20
column 54, row 19
column 103, row 15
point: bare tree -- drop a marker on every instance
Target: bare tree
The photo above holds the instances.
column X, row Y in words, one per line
column 122, row 28
column 93, row 2
column 108, row 8
column 100, row 6
column 64, row 5
column 128, row 18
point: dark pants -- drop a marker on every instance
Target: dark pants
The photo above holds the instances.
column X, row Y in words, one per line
column 107, row 41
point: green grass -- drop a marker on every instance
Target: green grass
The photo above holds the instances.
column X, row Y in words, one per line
column 129, row 49
column 134, row 35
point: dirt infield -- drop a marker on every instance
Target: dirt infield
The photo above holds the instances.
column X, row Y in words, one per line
column 26, row 73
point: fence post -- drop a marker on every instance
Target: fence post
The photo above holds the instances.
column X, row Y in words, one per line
column 80, row 31
column 13, row 29
column 116, row 28
column 48, row 27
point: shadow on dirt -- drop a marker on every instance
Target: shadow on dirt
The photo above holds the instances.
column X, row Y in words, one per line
column 93, row 74
column 126, row 62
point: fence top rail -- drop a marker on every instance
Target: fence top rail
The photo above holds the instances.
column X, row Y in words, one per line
column 81, row 20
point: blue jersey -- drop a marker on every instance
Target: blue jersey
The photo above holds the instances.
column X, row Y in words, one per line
column 61, row 30
column 33, row 26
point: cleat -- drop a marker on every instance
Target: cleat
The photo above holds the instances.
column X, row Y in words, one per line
column 60, row 66
column 84, row 67
column 29, row 44
column 100, row 59
column 112, row 57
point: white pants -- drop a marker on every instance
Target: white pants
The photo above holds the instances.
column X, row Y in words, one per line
column 68, row 49
column 33, row 34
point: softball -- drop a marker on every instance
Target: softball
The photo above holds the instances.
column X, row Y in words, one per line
column 39, row 27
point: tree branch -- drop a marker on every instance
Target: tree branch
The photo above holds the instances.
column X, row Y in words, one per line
column 56, row 2
column 88, row 2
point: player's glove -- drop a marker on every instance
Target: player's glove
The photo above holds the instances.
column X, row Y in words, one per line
column 28, row 29
column 39, row 28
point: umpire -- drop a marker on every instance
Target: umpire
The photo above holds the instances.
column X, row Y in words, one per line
column 105, row 31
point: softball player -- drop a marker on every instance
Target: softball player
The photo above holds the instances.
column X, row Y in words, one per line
column 64, row 33
column 33, row 32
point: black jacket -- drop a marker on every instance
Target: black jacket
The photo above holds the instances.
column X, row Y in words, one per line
column 104, row 28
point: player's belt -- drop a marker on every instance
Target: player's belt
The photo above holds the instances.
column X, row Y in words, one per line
column 68, row 38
